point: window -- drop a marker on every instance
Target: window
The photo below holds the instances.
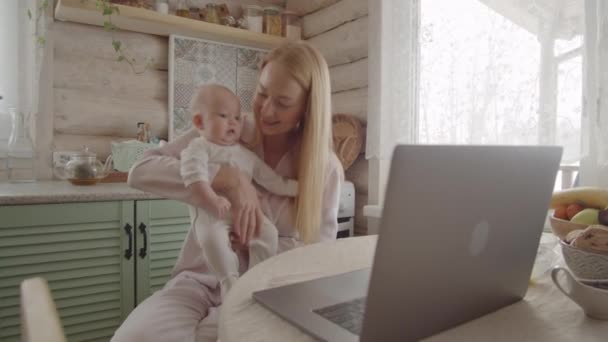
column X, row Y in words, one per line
column 486, row 72
column 493, row 75
column 8, row 60
column 21, row 55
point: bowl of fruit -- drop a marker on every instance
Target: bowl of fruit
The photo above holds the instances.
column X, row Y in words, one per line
column 577, row 208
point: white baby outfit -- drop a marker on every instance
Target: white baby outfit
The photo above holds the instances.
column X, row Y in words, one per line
column 202, row 158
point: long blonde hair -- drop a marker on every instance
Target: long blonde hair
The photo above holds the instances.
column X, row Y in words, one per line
column 309, row 68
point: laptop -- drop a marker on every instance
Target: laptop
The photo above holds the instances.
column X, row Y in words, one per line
column 457, row 240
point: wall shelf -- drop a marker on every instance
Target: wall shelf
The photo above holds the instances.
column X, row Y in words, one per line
column 147, row 21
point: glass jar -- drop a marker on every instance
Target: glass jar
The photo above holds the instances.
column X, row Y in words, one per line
column 292, row 25
column 21, row 153
column 253, row 16
column 212, row 16
column 182, row 10
column 162, row 6
column 194, row 11
column 272, row 20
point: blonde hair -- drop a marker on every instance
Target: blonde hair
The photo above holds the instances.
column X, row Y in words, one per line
column 309, row 68
column 201, row 96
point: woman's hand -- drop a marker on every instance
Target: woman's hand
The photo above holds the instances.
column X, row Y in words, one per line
column 246, row 213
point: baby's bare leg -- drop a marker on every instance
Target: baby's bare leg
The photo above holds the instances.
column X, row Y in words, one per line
column 265, row 245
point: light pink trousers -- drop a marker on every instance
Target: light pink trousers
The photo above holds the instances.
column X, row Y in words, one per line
column 186, row 309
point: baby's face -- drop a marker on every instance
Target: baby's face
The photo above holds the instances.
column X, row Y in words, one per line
column 222, row 127
column 220, row 115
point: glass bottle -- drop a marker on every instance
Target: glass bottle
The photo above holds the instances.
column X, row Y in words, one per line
column 194, row 11
column 253, row 15
column 21, row 154
column 5, row 125
column 182, row 10
column 212, row 15
column 162, row 6
column 3, row 162
column 272, row 20
column 292, row 26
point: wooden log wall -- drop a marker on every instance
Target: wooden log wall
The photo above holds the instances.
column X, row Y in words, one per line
column 95, row 99
column 338, row 28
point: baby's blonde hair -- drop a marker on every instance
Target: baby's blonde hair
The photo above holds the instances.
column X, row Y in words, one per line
column 198, row 101
column 309, row 68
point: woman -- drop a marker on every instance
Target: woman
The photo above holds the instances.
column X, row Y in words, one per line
column 293, row 124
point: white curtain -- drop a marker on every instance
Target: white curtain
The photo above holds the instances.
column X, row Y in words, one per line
column 519, row 80
column 21, row 55
column 594, row 163
column 392, row 92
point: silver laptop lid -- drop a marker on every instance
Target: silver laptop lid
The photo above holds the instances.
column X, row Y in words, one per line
column 458, row 236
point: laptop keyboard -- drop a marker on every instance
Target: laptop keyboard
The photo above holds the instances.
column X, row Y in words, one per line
column 348, row 315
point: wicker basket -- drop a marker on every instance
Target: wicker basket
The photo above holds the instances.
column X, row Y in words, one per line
column 348, row 138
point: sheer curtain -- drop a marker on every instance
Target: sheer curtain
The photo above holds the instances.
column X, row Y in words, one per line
column 594, row 161
column 489, row 72
column 21, row 55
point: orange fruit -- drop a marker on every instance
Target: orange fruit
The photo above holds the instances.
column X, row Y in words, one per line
column 573, row 209
column 561, row 213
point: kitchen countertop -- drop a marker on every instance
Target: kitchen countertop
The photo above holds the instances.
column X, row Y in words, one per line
column 63, row 191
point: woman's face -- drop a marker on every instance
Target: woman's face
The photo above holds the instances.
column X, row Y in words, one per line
column 279, row 102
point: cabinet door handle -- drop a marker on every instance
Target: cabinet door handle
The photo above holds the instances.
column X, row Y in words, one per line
column 143, row 250
column 129, row 251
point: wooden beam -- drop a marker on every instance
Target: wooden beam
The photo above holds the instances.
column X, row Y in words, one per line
column 344, row 44
column 333, row 16
column 303, row 7
column 101, row 145
column 44, row 119
column 87, row 113
column 349, row 76
column 151, row 22
column 353, row 102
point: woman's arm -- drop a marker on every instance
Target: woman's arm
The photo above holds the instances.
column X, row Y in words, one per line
column 159, row 173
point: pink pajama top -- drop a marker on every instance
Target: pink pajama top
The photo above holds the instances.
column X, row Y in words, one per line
column 158, row 172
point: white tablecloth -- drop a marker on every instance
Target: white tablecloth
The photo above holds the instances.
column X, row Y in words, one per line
column 544, row 315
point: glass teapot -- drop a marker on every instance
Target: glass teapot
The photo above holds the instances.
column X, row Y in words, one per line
column 83, row 168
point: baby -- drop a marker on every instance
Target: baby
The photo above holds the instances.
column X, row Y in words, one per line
column 216, row 114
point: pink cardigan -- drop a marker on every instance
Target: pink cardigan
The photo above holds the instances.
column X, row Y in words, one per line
column 158, row 173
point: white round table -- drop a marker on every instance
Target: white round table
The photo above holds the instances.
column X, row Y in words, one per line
column 544, row 315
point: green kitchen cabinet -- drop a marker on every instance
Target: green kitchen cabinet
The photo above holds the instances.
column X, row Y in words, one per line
column 161, row 229
column 100, row 259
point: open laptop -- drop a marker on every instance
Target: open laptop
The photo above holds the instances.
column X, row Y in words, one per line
column 458, row 237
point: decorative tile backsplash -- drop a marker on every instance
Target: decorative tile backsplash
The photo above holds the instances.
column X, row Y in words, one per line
column 194, row 62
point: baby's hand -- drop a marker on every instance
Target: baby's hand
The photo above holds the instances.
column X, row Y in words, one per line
column 222, row 206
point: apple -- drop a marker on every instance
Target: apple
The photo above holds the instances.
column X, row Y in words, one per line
column 586, row 216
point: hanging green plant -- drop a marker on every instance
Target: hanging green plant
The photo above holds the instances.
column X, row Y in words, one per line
column 108, row 10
